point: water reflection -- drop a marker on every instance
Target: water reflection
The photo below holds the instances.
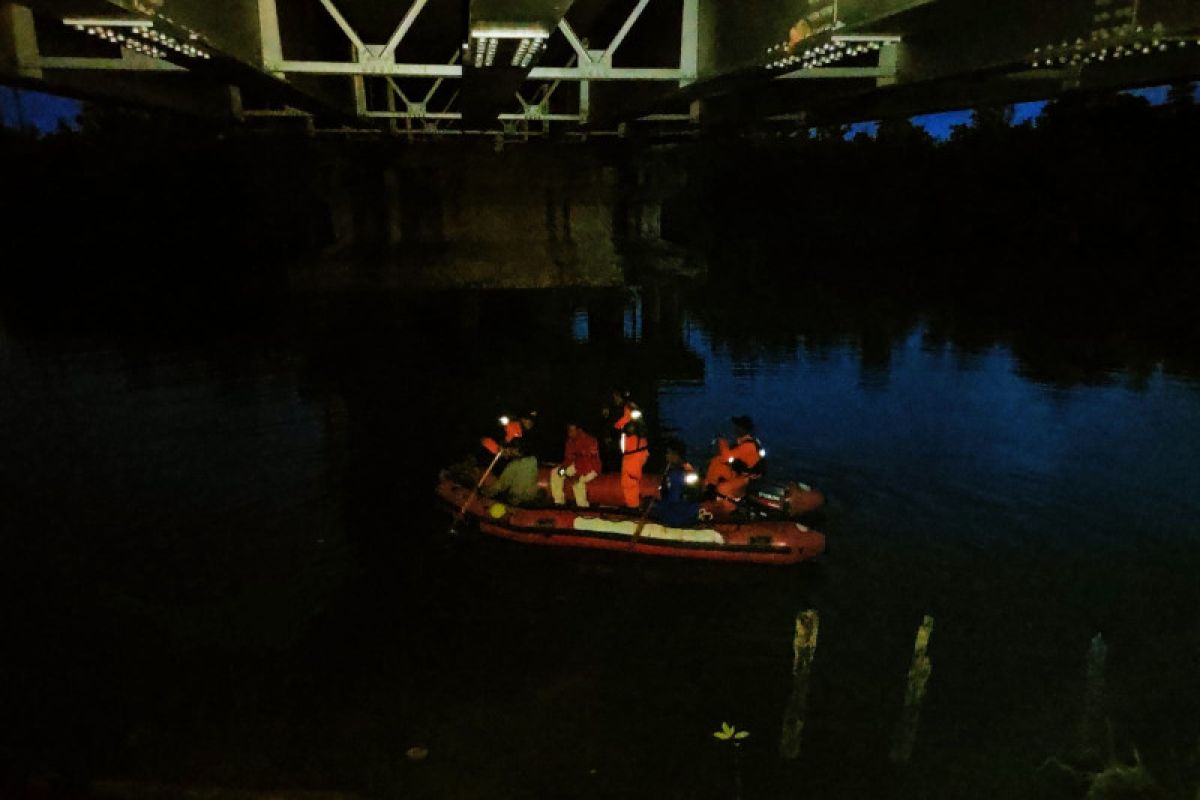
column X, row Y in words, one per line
column 256, row 499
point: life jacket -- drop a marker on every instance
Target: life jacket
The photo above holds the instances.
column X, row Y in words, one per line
column 631, row 417
column 633, row 443
column 513, row 429
column 745, row 454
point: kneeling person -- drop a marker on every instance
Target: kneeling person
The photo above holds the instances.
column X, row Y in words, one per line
column 519, row 480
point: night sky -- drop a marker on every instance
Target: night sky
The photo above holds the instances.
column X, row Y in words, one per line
column 45, row 111
column 941, row 124
column 42, row 111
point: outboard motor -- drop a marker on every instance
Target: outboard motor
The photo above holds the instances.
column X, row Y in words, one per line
column 769, row 494
column 785, row 498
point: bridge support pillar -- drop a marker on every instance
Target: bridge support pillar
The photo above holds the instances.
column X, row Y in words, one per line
column 270, row 41
column 689, row 42
column 889, row 57
column 19, row 54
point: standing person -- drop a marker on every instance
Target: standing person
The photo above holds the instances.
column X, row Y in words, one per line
column 635, row 449
column 581, row 461
column 735, row 463
column 617, row 407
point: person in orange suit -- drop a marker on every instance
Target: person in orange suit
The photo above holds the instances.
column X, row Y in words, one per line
column 635, row 450
column 513, row 429
column 618, row 405
column 629, row 413
column 734, row 465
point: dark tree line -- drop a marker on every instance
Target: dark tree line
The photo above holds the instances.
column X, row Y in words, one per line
column 1096, row 172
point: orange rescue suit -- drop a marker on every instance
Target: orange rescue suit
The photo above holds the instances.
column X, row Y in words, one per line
column 634, row 452
column 721, row 473
column 626, row 416
column 512, row 430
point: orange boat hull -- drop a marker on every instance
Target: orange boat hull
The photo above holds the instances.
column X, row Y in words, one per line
column 774, row 541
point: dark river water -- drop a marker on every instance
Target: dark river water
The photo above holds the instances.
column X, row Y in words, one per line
column 222, row 565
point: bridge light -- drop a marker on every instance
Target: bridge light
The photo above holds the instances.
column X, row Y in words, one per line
column 500, row 31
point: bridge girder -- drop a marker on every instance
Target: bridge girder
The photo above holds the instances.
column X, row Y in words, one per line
column 357, row 64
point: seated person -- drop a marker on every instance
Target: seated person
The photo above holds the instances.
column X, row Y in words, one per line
column 731, row 470
column 674, row 509
column 581, row 461
column 519, row 480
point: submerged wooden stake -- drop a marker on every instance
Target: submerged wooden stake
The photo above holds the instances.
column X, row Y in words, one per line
column 804, row 646
column 918, row 676
column 1093, row 742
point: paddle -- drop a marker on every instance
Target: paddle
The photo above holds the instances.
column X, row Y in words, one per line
column 637, row 532
column 463, row 508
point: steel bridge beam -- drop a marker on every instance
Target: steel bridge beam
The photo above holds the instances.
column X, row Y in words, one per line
column 18, row 42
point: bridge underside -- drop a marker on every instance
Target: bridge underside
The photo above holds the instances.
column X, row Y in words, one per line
column 589, row 67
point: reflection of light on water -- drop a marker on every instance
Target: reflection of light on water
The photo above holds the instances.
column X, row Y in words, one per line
column 579, row 325
column 632, row 327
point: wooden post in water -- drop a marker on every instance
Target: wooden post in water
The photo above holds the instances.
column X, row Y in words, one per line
column 1093, row 723
column 918, row 676
column 804, row 646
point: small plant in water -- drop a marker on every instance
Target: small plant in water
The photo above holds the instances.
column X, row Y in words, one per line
column 731, row 734
column 1115, row 780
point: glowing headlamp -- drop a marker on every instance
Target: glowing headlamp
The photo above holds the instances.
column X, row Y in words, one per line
column 762, row 452
column 635, row 414
column 504, row 420
column 691, row 479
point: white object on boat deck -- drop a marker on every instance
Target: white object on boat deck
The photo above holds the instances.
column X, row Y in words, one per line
column 650, row 530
